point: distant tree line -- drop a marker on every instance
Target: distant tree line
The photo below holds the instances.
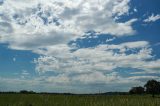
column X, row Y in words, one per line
column 151, row 87
column 27, row 92
column 22, row 92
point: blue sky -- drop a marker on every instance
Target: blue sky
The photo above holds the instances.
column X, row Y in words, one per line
column 78, row 46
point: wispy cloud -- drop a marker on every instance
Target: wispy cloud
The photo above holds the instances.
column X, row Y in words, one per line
column 152, row 18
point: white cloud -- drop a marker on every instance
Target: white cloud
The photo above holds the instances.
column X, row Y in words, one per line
column 152, row 18
column 138, row 44
column 25, row 72
column 96, row 65
column 59, row 79
column 108, row 40
column 135, row 10
column 33, row 24
column 102, row 58
column 95, row 78
column 143, row 77
column 14, row 59
column 121, row 7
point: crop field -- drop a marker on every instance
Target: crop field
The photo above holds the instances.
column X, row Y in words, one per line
column 77, row 100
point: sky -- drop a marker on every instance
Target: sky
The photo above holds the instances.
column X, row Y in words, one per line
column 78, row 46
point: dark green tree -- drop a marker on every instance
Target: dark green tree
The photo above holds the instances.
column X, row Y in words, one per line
column 27, row 92
column 137, row 90
column 152, row 87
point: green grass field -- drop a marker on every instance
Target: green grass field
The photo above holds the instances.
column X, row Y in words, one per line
column 75, row 100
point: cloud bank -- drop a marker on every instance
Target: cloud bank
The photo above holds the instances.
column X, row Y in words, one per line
column 45, row 27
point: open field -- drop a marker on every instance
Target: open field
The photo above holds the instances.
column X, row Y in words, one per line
column 77, row 100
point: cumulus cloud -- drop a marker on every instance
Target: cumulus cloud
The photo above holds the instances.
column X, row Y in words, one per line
column 152, row 18
column 5, row 27
column 96, row 61
column 102, row 57
column 32, row 24
column 96, row 78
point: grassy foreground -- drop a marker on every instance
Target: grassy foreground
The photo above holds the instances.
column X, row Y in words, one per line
column 75, row 100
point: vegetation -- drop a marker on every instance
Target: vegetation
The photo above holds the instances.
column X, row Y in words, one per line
column 137, row 90
column 151, row 87
column 77, row 100
column 27, row 92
